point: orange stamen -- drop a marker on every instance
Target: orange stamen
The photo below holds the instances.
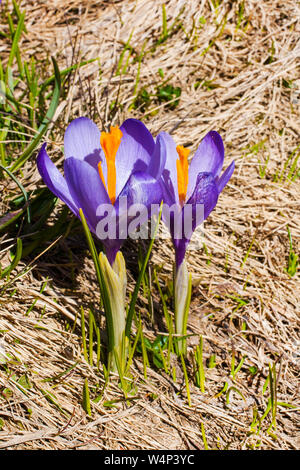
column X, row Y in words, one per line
column 182, row 166
column 110, row 142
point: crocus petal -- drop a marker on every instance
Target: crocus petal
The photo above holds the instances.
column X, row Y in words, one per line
column 209, row 158
column 195, row 211
column 225, row 177
column 134, row 152
column 158, row 158
column 86, row 189
column 206, row 193
column 143, row 191
column 169, row 173
column 55, row 180
column 82, row 141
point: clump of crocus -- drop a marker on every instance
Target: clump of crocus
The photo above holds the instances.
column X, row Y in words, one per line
column 191, row 192
column 101, row 170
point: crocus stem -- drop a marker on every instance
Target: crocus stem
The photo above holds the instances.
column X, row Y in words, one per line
column 112, row 281
column 115, row 279
column 182, row 298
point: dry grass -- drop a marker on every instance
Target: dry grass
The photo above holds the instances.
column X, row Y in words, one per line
column 243, row 302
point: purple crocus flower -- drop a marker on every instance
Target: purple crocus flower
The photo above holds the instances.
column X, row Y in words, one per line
column 186, row 186
column 186, row 189
column 101, row 169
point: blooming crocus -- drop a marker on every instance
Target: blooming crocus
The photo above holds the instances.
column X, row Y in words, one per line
column 188, row 188
column 100, row 171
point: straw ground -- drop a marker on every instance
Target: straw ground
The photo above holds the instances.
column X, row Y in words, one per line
column 186, row 68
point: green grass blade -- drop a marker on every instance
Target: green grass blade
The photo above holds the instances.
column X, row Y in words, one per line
column 186, row 379
column 45, row 123
column 65, row 72
column 15, row 261
column 83, row 334
column 91, row 337
column 14, row 47
column 204, row 436
column 21, row 188
column 86, row 402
